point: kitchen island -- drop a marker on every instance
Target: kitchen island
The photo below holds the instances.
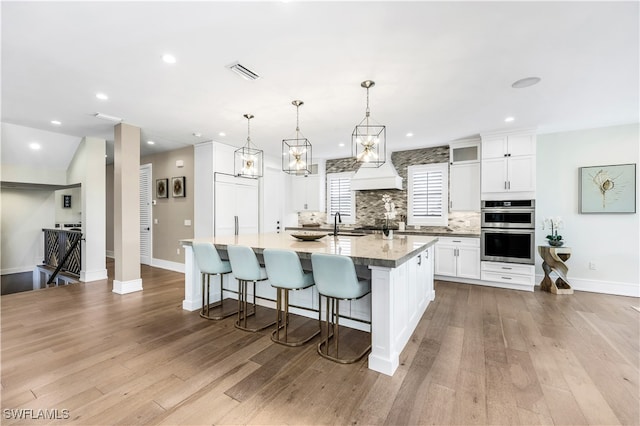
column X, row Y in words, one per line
column 400, row 270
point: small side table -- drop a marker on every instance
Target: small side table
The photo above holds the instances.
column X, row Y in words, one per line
column 553, row 259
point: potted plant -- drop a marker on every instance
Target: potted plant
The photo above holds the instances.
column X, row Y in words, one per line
column 554, row 239
column 389, row 213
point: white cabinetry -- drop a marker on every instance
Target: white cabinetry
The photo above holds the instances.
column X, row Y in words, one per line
column 305, row 193
column 236, row 205
column 457, row 257
column 509, row 275
column 509, row 165
column 464, row 177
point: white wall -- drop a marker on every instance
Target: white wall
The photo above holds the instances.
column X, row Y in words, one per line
column 24, row 213
column 611, row 241
column 68, row 215
column 88, row 168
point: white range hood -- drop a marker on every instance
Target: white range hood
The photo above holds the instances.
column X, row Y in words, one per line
column 383, row 177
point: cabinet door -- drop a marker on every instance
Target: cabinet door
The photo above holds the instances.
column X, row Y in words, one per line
column 524, row 144
column 494, row 175
column 522, row 173
column 494, row 147
column 465, row 187
column 225, row 209
column 445, row 260
column 468, row 262
column 247, row 208
column 312, row 189
column 298, row 194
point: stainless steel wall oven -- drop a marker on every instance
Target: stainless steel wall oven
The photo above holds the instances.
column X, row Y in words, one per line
column 508, row 231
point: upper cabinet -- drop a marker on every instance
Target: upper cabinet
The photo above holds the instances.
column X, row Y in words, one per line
column 305, row 193
column 509, row 165
column 464, row 175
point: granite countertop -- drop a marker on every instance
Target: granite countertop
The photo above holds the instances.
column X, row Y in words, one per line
column 370, row 250
column 440, row 231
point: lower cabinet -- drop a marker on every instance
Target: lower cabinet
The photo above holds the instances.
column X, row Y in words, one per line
column 509, row 275
column 458, row 257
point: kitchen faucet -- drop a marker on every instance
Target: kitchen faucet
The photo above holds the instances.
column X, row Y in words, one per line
column 337, row 217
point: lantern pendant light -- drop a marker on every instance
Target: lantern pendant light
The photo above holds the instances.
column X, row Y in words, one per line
column 296, row 152
column 249, row 160
column 369, row 139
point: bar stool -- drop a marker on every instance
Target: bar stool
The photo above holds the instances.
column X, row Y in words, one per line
column 285, row 274
column 336, row 279
column 245, row 267
column 209, row 263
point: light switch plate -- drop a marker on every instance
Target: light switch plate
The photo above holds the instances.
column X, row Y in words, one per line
column 187, row 222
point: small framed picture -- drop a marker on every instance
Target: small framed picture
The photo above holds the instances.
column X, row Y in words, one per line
column 162, row 190
column 177, row 186
column 66, row 201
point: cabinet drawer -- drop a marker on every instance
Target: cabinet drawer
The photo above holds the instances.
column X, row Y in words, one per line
column 465, row 241
column 507, row 268
column 507, row 278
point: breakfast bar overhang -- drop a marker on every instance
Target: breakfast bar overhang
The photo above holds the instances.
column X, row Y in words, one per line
column 401, row 273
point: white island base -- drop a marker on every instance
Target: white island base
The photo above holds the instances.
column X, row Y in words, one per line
column 401, row 273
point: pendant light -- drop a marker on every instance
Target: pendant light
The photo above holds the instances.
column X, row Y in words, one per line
column 369, row 139
column 248, row 160
column 296, row 152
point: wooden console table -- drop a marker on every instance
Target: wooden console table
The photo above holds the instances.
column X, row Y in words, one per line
column 553, row 259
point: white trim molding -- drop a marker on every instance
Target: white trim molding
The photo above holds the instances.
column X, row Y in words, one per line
column 166, row 264
column 110, row 254
column 97, row 275
column 604, row 287
column 125, row 287
column 18, row 270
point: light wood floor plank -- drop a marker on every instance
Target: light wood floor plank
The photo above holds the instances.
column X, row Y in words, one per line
column 479, row 355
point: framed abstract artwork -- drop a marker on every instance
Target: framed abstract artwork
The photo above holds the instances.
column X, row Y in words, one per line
column 608, row 189
column 162, row 188
column 177, row 186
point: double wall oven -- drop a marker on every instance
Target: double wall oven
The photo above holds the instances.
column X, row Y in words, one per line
column 507, row 231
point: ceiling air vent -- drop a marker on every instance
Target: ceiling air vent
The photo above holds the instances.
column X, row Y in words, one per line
column 108, row 117
column 243, row 71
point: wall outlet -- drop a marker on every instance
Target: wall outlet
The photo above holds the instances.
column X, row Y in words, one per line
column 592, row 266
column 187, row 222
column 177, row 251
column 155, row 221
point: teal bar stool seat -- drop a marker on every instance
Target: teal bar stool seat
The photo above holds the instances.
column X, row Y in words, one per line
column 246, row 268
column 209, row 263
column 336, row 279
column 285, row 274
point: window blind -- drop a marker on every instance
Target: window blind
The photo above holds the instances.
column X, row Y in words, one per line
column 340, row 196
column 427, row 193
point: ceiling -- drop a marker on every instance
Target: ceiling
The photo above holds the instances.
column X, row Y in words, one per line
column 443, row 70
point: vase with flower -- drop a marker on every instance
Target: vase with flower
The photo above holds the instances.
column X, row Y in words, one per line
column 389, row 213
column 554, row 223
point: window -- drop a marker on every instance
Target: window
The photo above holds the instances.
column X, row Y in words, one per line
column 428, row 194
column 340, row 197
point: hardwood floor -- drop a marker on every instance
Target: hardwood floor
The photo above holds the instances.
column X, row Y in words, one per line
column 480, row 355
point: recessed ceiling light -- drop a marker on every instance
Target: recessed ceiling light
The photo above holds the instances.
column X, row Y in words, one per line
column 222, row 134
column 197, row 135
column 509, row 119
column 409, row 134
column 34, row 146
column 102, row 96
column 340, row 145
column 56, row 122
column 169, row 59
column 526, row 82
column 151, row 142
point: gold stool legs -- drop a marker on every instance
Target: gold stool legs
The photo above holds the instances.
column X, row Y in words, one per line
column 243, row 308
column 206, row 304
column 282, row 321
column 333, row 324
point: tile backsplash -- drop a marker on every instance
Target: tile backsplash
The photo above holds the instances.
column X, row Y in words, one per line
column 369, row 205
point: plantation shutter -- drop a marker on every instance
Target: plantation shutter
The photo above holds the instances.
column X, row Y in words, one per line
column 340, row 195
column 427, row 193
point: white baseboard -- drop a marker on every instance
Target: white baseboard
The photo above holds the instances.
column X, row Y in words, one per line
column 166, row 264
column 125, row 287
column 97, row 275
column 485, row 283
column 605, row 287
column 17, row 270
column 110, row 254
